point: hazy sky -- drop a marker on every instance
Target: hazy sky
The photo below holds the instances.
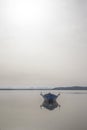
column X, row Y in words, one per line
column 43, row 42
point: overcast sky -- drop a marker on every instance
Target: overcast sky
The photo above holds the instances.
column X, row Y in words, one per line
column 43, row 42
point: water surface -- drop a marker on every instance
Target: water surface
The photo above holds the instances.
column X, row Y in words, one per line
column 20, row 110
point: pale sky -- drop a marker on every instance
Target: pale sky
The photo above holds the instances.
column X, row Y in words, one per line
column 43, row 42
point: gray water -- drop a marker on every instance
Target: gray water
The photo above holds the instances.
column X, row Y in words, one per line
column 20, row 110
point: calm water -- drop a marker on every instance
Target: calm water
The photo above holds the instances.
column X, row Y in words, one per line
column 20, row 110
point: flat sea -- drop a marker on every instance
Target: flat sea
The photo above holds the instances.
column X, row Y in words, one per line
column 21, row 110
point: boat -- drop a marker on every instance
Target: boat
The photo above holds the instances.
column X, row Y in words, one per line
column 50, row 101
column 49, row 97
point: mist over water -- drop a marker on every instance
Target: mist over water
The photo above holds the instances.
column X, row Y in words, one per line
column 20, row 110
column 43, row 42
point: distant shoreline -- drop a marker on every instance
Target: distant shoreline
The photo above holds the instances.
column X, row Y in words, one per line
column 70, row 88
column 56, row 88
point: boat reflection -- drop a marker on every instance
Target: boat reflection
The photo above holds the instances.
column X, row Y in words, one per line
column 50, row 102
